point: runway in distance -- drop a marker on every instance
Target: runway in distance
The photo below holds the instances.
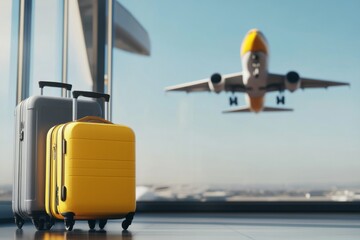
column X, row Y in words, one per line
column 254, row 80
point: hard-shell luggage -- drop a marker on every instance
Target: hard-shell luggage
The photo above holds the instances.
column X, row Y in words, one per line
column 34, row 117
column 90, row 172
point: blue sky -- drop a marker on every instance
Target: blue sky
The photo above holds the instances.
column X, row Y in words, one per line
column 184, row 138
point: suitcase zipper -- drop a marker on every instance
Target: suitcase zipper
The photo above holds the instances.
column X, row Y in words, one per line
column 54, row 152
column 63, row 188
column 21, row 135
column 20, row 162
column 56, row 194
column 64, row 146
column 52, row 162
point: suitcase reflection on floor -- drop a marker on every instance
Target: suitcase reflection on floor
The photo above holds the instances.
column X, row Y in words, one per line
column 75, row 234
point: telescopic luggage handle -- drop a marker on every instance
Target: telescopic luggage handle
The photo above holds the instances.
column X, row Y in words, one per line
column 77, row 94
column 43, row 84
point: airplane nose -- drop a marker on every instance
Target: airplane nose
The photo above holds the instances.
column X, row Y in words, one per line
column 254, row 41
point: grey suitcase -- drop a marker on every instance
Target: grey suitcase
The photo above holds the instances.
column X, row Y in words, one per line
column 34, row 117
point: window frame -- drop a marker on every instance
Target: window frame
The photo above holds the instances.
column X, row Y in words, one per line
column 306, row 207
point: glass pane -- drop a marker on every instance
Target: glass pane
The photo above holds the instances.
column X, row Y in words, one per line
column 46, row 45
column 45, row 64
column 79, row 74
column 47, row 37
column 8, row 49
column 188, row 150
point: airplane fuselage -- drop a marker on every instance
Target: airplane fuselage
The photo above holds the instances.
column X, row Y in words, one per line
column 255, row 80
column 254, row 59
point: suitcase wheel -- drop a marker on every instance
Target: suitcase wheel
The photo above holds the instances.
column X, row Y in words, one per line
column 49, row 223
column 69, row 221
column 39, row 223
column 125, row 224
column 128, row 220
column 92, row 224
column 102, row 223
column 19, row 221
column 69, row 224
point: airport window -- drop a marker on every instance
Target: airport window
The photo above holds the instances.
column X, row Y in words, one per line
column 7, row 96
column 187, row 149
column 45, row 65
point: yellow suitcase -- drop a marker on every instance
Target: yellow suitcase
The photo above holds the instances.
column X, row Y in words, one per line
column 90, row 171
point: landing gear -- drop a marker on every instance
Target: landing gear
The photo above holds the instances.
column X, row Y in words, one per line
column 280, row 99
column 233, row 101
column 256, row 65
column 256, row 72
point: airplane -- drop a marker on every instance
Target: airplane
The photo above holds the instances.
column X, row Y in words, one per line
column 255, row 80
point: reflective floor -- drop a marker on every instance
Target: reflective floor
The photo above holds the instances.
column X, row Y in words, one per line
column 206, row 226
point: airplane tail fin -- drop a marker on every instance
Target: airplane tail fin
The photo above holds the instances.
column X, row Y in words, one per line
column 265, row 109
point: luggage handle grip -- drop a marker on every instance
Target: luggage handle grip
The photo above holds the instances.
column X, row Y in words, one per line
column 93, row 119
column 43, row 84
column 77, row 94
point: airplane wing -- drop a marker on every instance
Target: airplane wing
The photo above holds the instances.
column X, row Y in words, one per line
column 265, row 109
column 276, row 82
column 233, row 83
column 196, row 86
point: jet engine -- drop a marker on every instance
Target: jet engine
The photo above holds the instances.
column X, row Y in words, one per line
column 292, row 81
column 216, row 83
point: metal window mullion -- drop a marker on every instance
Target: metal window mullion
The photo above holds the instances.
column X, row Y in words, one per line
column 64, row 71
column 24, row 49
column 110, row 35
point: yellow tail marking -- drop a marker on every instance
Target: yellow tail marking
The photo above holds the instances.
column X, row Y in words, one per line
column 256, row 104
